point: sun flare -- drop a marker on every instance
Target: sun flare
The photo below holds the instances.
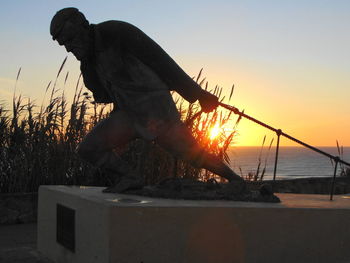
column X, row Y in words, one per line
column 214, row 132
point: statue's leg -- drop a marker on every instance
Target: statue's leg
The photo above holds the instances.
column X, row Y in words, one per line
column 97, row 149
column 179, row 141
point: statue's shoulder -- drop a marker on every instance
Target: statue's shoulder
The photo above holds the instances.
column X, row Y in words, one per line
column 113, row 27
column 114, row 32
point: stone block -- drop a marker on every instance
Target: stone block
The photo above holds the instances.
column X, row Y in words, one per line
column 116, row 228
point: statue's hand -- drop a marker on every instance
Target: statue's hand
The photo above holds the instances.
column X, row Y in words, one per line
column 208, row 101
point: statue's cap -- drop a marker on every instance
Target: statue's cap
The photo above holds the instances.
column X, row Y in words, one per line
column 62, row 16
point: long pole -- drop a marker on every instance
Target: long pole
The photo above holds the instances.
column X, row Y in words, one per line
column 279, row 132
column 333, row 181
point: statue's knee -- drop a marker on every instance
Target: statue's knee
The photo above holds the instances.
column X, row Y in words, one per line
column 196, row 157
column 80, row 150
column 86, row 152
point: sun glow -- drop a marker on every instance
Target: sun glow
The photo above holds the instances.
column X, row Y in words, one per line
column 214, row 132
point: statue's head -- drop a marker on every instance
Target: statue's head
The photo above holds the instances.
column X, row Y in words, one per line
column 71, row 29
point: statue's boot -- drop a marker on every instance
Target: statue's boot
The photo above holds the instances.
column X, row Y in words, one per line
column 129, row 182
column 126, row 177
column 240, row 187
column 266, row 189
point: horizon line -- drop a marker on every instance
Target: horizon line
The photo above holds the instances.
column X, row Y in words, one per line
column 299, row 146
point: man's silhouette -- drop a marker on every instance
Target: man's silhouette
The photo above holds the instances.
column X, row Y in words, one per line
column 121, row 65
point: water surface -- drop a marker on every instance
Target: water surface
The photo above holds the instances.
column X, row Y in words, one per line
column 293, row 162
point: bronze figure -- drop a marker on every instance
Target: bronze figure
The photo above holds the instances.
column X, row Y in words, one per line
column 122, row 65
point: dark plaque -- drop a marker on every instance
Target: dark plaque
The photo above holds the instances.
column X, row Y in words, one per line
column 65, row 231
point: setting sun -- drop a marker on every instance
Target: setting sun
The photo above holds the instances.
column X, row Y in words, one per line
column 214, row 132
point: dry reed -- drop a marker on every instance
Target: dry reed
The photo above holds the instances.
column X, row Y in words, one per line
column 38, row 146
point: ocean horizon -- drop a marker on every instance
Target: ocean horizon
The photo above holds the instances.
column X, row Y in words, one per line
column 293, row 161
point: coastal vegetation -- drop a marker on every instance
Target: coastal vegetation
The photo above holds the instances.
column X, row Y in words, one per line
column 37, row 143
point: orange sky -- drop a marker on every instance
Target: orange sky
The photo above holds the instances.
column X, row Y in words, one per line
column 289, row 60
column 311, row 106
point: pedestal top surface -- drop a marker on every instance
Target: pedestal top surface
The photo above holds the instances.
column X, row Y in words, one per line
column 300, row 201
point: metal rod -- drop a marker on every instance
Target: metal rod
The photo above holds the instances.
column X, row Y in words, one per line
column 279, row 132
column 237, row 111
column 333, row 181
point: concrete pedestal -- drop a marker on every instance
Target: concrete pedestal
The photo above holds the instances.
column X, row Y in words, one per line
column 81, row 224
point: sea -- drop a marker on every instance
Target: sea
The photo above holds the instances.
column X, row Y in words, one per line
column 293, row 162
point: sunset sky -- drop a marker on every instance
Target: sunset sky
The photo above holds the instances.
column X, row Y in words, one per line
column 289, row 60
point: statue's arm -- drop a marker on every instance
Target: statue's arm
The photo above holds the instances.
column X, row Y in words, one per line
column 93, row 83
column 127, row 38
column 151, row 54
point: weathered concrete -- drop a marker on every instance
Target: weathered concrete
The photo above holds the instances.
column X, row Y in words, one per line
column 123, row 228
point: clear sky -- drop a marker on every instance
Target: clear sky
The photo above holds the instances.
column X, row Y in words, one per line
column 289, row 60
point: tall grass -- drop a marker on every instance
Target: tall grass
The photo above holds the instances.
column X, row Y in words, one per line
column 259, row 174
column 37, row 143
column 344, row 171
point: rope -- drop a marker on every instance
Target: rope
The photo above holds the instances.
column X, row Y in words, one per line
column 279, row 132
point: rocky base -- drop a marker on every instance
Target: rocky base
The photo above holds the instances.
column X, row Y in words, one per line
column 22, row 207
column 310, row 185
column 189, row 189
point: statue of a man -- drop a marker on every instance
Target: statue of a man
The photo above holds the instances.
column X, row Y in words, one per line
column 121, row 65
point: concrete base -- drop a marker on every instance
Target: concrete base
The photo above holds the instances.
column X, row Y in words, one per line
column 120, row 228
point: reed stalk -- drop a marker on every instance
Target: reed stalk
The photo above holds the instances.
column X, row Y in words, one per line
column 37, row 144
